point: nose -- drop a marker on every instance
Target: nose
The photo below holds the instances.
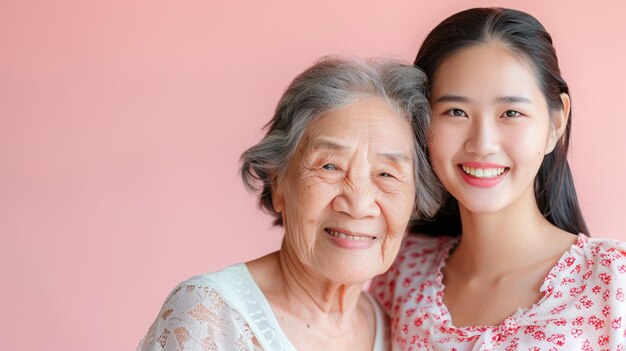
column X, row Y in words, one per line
column 357, row 198
column 483, row 138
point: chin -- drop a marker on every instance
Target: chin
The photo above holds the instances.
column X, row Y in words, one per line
column 354, row 274
column 482, row 207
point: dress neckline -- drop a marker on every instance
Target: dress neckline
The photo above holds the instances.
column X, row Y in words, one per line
column 511, row 321
column 379, row 328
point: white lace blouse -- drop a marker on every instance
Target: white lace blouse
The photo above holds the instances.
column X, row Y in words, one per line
column 225, row 310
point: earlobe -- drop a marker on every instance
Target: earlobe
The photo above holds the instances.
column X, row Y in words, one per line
column 559, row 123
column 278, row 200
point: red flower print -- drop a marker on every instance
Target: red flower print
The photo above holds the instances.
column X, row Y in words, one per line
column 558, row 309
column 617, row 323
column 581, row 302
column 577, row 332
column 606, row 311
column 578, row 268
column 578, row 321
column 577, row 291
column 586, row 302
column 509, row 327
column 605, row 278
column 513, row 345
column 558, row 339
column 619, row 295
column 425, row 284
column 530, row 329
column 596, row 322
column 603, row 340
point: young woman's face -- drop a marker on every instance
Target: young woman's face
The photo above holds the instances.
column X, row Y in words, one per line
column 491, row 127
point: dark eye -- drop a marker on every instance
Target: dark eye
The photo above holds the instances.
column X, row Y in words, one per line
column 455, row 112
column 330, row 167
column 386, row 175
column 511, row 113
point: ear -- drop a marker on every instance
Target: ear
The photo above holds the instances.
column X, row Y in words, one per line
column 278, row 200
column 559, row 122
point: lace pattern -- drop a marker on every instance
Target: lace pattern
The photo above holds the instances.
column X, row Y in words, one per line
column 217, row 311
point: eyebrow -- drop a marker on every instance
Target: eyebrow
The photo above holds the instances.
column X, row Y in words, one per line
column 331, row 145
column 501, row 100
column 327, row 144
column 513, row 100
column 394, row 157
column 453, row 98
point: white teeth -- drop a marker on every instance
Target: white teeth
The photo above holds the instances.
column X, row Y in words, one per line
column 349, row 237
column 483, row 172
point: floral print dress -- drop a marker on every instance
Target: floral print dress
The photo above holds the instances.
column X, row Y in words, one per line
column 583, row 307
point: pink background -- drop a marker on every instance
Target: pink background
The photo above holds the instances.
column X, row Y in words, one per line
column 121, row 124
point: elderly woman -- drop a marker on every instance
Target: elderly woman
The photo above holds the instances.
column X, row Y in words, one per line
column 341, row 168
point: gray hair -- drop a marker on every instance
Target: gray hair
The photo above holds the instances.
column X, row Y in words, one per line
column 329, row 85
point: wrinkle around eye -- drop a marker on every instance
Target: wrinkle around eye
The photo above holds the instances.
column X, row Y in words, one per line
column 393, row 185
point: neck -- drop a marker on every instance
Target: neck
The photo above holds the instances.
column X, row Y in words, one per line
column 511, row 237
column 314, row 294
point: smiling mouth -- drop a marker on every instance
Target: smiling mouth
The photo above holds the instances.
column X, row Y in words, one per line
column 342, row 235
column 487, row 172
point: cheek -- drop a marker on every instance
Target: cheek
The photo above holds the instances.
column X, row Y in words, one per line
column 312, row 198
column 443, row 144
column 527, row 145
column 441, row 155
column 397, row 210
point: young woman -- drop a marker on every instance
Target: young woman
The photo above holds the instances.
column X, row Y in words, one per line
column 523, row 273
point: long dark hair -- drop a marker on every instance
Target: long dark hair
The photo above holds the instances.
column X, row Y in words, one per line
column 525, row 36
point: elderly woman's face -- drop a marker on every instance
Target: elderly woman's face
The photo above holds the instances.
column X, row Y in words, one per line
column 348, row 194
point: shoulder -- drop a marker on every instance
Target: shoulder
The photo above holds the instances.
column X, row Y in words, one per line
column 200, row 310
column 603, row 252
column 602, row 282
column 236, row 274
column 592, row 266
